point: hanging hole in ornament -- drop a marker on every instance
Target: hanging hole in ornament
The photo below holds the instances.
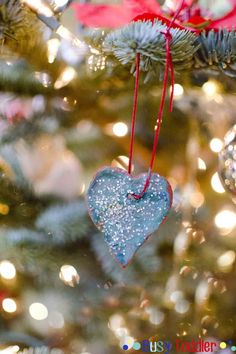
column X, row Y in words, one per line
column 135, row 197
column 131, row 196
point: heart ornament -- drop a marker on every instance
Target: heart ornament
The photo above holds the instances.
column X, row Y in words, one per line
column 126, row 221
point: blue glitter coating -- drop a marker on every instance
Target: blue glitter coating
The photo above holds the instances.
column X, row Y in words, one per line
column 127, row 222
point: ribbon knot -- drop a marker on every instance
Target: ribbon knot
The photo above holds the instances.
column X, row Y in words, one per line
column 167, row 34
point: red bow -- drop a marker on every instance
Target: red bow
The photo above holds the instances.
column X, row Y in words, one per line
column 113, row 16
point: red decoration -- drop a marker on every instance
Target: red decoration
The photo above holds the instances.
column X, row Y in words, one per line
column 113, row 16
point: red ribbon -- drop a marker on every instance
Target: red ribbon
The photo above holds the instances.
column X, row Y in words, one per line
column 169, row 68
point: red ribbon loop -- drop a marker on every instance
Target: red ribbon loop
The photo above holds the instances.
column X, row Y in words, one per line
column 169, row 68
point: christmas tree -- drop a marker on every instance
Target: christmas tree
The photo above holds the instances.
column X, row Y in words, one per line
column 67, row 90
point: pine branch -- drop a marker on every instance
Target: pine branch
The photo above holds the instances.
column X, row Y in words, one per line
column 65, row 222
column 214, row 50
column 217, row 51
column 17, row 337
column 22, row 204
column 21, row 236
column 9, row 154
column 20, row 79
column 34, row 255
column 146, row 38
column 22, row 35
column 17, row 22
column 25, row 129
column 21, row 32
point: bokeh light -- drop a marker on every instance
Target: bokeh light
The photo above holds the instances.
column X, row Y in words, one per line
column 120, row 129
column 69, row 275
column 201, row 164
column 216, row 184
column 65, row 78
column 210, row 88
column 53, row 46
column 178, row 90
column 226, row 261
column 225, row 219
column 7, row 270
column 10, row 350
column 216, row 145
column 38, row 311
column 9, row 305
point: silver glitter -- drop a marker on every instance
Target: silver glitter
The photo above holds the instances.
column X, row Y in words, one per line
column 126, row 222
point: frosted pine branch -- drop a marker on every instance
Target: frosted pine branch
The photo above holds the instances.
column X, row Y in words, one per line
column 217, row 51
column 146, row 38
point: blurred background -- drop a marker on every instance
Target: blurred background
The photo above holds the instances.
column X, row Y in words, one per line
column 64, row 113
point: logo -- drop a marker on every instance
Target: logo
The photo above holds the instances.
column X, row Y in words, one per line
column 179, row 346
column 147, row 346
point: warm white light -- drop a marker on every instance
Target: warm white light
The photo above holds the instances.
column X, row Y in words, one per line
column 216, row 145
column 202, row 293
column 38, row 311
column 210, row 88
column 226, row 261
column 229, row 137
column 60, row 3
column 94, row 50
column 96, row 63
column 69, row 36
column 178, row 90
column 225, row 219
column 53, row 46
column 201, row 164
column 124, row 159
column 65, row 78
column 115, row 321
column 216, row 184
column 68, row 274
column 10, row 350
column 9, row 305
column 121, row 162
column 120, row 129
column 39, row 7
column 7, row 270
column 170, row 4
column 83, row 187
column 43, row 78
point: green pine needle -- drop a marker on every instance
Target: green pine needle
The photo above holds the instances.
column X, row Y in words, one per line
column 146, row 38
column 65, row 222
column 214, row 50
column 217, row 51
column 21, row 236
column 16, row 21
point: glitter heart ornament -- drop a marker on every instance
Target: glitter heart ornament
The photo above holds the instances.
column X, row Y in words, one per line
column 125, row 221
